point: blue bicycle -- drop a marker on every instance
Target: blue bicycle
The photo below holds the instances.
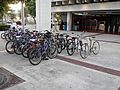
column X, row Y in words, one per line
column 42, row 50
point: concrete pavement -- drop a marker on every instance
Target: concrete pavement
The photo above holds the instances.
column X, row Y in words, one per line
column 56, row 74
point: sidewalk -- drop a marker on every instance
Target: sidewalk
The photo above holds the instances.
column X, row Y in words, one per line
column 57, row 74
column 99, row 36
column 109, row 55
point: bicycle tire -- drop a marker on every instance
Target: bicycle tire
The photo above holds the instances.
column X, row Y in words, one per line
column 11, row 46
column 3, row 35
column 70, row 44
column 18, row 50
column 67, row 43
column 7, row 38
column 63, row 44
column 94, row 47
column 10, row 37
column 59, row 47
column 52, row 51
column 84, row 51
column 25, row 50
column 33, row 54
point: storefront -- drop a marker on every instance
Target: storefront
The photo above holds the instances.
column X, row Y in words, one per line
column 88, row 23
column 94, row 23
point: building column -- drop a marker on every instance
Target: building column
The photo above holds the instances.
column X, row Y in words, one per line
column 71, row 1
column 22, row 14
column 69, row 21
column 43, row 15
column 53, row 18
column 64, row 2
column 53, row 14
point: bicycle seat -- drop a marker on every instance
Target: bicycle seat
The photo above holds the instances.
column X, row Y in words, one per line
column 93, row 37
column 57, row 33
column 61, row 35
column 67, row 35
column 64, row 33
column 74, row 37
column 18, row 36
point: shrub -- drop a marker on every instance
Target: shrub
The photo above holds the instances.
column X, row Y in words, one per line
column 4, row 27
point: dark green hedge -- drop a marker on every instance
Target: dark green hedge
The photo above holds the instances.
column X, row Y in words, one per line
column 4, row 27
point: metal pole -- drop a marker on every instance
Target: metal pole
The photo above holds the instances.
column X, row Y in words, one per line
column 22, row 14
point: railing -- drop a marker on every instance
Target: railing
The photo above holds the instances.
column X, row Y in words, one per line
column 70, row 2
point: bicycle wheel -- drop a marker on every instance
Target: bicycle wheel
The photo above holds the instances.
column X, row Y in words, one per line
column 34, row 57
column 84, row 51
column 10, row 47
column 6, row 37
column 59, row 47
column 52, row 51
column 25, row 50
column 96, row 47
column 3, row 35
column 63, row 43
column 18, row 49
column 67, row 43
column 10, row 36
column 70, row 48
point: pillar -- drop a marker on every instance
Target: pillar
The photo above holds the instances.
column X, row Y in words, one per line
column 77, row 1
column 53, row 18
column 69, row 21
column 71, row 1
column 22, row 14
column 43, row 15
column 64, row 2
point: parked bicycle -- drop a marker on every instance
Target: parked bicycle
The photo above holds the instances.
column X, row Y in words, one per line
column 77, row 45
column 94, row 45
column 42, row 50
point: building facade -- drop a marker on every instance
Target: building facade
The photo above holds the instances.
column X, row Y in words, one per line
column 88, row 15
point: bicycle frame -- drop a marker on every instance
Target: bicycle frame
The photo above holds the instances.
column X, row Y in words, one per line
column 77, row 44
column 42, row 49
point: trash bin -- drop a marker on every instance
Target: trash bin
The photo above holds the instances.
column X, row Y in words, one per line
column 65, row 27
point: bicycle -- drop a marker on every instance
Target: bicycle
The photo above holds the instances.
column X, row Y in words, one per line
column 94, row 45
column 78, row 45
column 43, row 48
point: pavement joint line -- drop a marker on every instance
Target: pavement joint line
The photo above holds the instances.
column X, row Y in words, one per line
column 90, row 66
column 102, row 40
column 94, row 34
column 109, row 41
column 2, row 50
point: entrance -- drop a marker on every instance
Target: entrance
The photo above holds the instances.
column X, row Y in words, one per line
column 96, row 23
column 112, row 24
column 84, row 23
